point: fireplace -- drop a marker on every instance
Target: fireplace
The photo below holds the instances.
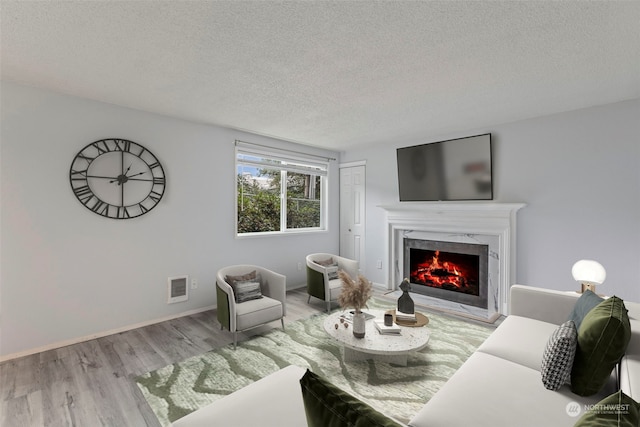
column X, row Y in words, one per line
column 453, row 271
column 475, row 231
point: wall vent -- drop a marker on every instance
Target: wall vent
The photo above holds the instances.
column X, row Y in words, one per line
column 178, row 289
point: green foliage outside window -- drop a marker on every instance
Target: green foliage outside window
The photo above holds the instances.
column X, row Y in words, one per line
column 258, row 209
column 259, row 204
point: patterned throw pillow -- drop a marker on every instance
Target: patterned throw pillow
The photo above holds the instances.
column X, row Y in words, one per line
column 558, row 356
column 242, row 277
column 245, row 286
column 246, row 290
column 331, row 266
column 325, row 262
column 332, row 272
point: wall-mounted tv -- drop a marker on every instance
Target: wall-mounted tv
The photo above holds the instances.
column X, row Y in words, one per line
column 455, row 169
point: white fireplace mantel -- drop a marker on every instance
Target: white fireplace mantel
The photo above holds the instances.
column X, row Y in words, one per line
column 489, row 223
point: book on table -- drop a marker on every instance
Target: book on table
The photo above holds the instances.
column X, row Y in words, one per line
column 406, row 317
column 349, row 316
column 384, row 329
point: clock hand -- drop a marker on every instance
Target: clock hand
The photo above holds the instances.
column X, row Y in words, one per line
column 136, row 174
column 140, row 179
column 100, row 176
column 121, row 180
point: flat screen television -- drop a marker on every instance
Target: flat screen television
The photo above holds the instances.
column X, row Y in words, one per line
column 455, row 169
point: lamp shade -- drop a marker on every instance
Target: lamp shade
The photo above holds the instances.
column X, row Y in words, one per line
column 588, row 272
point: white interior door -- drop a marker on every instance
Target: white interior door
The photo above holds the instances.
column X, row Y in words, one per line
column 352, row 212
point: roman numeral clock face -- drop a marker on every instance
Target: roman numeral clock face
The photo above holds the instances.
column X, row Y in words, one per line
column 117, row 178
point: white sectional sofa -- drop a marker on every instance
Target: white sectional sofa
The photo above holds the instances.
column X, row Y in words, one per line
column 499, row 385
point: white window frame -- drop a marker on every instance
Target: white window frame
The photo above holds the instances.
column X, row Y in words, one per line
column 290, row 161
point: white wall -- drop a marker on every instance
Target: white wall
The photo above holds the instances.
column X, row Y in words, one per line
column 578, row 173
column 67, row 273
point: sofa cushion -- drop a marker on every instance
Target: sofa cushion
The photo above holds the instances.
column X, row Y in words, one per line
column 509, row 341
column 256, row 312
column 274, row 400
column 584, row 304
column 546, row 305
column 328, row 406
column 602, row 341
column 557, row 359
column 491, row 391
column 335, row 288
column 630, row 374
column 617, row 410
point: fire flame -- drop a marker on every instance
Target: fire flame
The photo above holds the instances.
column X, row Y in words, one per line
column 438, row 274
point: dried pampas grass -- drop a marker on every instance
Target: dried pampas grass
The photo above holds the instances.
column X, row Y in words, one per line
column 355, row 293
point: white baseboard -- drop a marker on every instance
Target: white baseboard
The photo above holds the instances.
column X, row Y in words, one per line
column 101, row 334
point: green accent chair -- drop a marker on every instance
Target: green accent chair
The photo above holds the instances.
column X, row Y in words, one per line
column 321, row 269
column 237, row 317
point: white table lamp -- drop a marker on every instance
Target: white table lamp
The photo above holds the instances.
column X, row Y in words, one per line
column 589, row 273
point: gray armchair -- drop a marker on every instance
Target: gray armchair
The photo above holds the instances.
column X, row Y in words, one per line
column 242, row 305
column 322, row 279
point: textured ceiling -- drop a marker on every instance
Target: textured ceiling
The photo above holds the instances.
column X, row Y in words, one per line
column 330, row 74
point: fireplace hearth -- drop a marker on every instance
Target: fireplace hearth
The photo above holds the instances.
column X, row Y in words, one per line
column 448, row 270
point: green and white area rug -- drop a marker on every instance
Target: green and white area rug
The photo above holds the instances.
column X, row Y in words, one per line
column 398, row 391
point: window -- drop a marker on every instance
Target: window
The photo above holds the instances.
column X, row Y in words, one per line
column 279, row 191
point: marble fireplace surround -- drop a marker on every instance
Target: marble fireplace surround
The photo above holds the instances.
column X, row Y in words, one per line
column 487, row 223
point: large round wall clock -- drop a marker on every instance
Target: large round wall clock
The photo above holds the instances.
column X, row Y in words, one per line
column 117, row 178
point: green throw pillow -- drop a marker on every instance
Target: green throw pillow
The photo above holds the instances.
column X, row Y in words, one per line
column 328, row 406
column 602, row 340
column 617, row 410
column 583, row 305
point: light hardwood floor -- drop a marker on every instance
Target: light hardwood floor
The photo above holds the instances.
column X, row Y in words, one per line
column 92, row 383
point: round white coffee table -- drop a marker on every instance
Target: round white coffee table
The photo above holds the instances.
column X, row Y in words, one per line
column 374, row 345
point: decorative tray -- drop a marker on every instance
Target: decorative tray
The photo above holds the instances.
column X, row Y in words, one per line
column 421, row 319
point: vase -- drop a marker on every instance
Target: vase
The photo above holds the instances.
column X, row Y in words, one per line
column 358, row 324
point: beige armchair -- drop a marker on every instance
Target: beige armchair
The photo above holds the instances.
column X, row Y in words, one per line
column 322, row 278
column 249, row 296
